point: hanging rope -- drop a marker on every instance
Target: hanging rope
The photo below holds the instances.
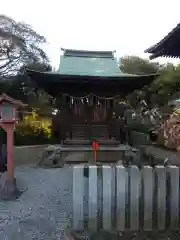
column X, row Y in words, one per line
column 91, row 94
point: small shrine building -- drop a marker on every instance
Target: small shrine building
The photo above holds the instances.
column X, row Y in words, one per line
column 87, row 88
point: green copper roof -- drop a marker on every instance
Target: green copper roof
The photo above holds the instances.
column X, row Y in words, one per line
column 89, row 70
column 89, row 63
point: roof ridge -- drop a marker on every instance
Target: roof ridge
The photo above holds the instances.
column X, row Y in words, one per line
column 87, row 53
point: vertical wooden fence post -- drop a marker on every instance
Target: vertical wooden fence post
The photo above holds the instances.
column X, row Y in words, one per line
column 121, row 190
column 174, row 197
column 107, row 191
column 161, row 197
column 135, row 185
column 93, row 198
column 148, row 186
column 78, row 194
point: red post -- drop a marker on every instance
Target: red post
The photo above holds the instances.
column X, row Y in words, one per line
column 10, row 146
column 95, row 147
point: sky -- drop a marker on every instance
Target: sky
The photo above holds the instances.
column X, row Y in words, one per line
column 127, row 26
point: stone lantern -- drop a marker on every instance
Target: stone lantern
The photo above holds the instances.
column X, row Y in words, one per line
column 8, row 119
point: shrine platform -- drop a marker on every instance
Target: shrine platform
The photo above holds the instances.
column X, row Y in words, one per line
column 26, row 155
column 104, row 153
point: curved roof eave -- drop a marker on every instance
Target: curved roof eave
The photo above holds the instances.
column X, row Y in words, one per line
column 124, row 75
column 155, row 47
column 165, row 55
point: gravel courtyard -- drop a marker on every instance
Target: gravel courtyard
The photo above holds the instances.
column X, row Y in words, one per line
column 44, row 209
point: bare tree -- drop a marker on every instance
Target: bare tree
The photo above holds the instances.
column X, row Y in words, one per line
column 19, row 44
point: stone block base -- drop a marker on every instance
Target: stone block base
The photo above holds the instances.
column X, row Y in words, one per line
column 8, row 190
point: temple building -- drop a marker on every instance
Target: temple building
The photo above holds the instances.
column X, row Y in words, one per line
column 87, row 89
column 168, row 46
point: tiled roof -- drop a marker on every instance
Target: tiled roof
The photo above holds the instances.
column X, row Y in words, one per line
column 168, row 46
column 89, row 63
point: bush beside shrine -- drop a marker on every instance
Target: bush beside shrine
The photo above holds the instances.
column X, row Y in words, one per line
column 33, row 130
column 139, row 127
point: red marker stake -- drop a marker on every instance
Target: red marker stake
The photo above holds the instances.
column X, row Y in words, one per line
column 95, row 146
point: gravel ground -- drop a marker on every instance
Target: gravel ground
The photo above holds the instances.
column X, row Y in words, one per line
column 44, row 209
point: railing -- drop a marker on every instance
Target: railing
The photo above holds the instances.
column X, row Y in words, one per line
column 126, row 198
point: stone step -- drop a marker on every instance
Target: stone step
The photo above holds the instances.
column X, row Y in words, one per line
column 79, row 142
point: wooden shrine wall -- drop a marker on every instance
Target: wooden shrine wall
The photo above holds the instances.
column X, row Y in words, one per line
column 88, row 112
column 89, row 108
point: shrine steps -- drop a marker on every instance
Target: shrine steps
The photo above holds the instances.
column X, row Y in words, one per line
column 83, row 142
column 84, row 153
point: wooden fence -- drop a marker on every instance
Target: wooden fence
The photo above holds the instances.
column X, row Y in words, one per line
column 126, row 198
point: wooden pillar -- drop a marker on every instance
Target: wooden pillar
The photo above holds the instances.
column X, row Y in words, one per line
column 10, row 146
